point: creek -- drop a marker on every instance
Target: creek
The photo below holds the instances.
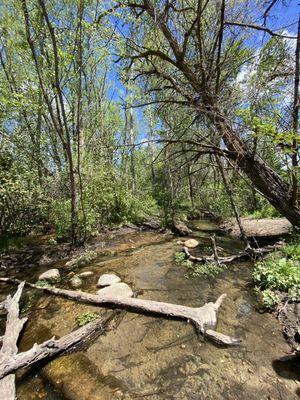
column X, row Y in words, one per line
column 143, row 357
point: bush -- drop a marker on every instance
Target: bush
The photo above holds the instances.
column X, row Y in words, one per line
column 208, row 270
column 267, row 211
column 279, row 274
column 267, row 299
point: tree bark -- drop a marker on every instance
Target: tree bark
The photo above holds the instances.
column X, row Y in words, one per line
column 9, row 349
column 295, row 115
column 51, row 348
column 232, row 202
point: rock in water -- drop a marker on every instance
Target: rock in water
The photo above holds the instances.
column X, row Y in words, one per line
column 108, row 279
column 191, row 243
column 76, row 282
column 52, row 275
column 86, row 274
column 120, row 289
column 180, row 228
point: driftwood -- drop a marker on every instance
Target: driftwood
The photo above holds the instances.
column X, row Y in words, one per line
column 9, row 349
column 203, row 318
column 240, row 256
column 51, row 348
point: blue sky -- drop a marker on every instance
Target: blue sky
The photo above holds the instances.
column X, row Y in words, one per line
column 281, row 16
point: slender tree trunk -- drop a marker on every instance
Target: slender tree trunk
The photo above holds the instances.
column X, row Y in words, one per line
column 295, row 116
column 79, row 116
column 232, row 201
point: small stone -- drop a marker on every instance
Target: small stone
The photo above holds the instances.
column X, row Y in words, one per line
column 120, row 289
column 183, row 346
column 86, row 274
column 107, row 280
column 51, row 275
column 76, row 282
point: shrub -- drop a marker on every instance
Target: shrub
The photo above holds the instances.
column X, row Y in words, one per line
column 278, row 274
column 267, row 299
column 208, row 270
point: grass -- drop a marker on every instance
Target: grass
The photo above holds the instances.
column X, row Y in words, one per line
column 208, row 270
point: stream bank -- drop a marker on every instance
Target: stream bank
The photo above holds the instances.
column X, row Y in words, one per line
column 146, row 357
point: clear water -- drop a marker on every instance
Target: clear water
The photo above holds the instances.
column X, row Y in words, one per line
column 143, row 357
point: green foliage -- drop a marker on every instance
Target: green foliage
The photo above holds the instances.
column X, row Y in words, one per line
column 86, row 317
column 267, row 211
column 180, row 257
column 208, row 270
column 52, row 242
column 277, row 273
column 23, row 206
column 43, row 283
column 292, row 251
column 267, row 299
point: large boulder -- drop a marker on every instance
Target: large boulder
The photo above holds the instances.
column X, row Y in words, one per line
column 120, row 289
column 107, row 280
column 52, row 275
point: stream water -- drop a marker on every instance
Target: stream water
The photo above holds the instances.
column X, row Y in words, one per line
column 143, row 357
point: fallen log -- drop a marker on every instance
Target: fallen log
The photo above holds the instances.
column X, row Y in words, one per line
column 51, row 348
column 203, row 318
column 9, row 349
column 240, row 256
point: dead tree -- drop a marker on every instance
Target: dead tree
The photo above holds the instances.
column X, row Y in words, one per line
column 203, row 318
column 9, row 349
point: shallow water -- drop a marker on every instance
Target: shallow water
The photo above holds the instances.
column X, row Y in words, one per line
column 143, row 357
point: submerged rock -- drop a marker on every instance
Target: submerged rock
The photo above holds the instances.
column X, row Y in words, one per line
column 120, row 289
column 76, row 282
column 108, row 279
column 85, row 274
column 51, row 275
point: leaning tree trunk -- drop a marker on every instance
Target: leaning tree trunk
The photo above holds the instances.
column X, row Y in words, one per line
column 262, row 176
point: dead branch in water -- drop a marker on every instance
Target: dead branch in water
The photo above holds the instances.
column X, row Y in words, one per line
column 51, row 348
column 240, row 256
column 203, row 318
column 9, row 349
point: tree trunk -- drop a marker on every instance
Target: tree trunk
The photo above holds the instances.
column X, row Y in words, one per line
column 14, row 326
column 295, row 115
column 263, row 177
column 232, row 202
